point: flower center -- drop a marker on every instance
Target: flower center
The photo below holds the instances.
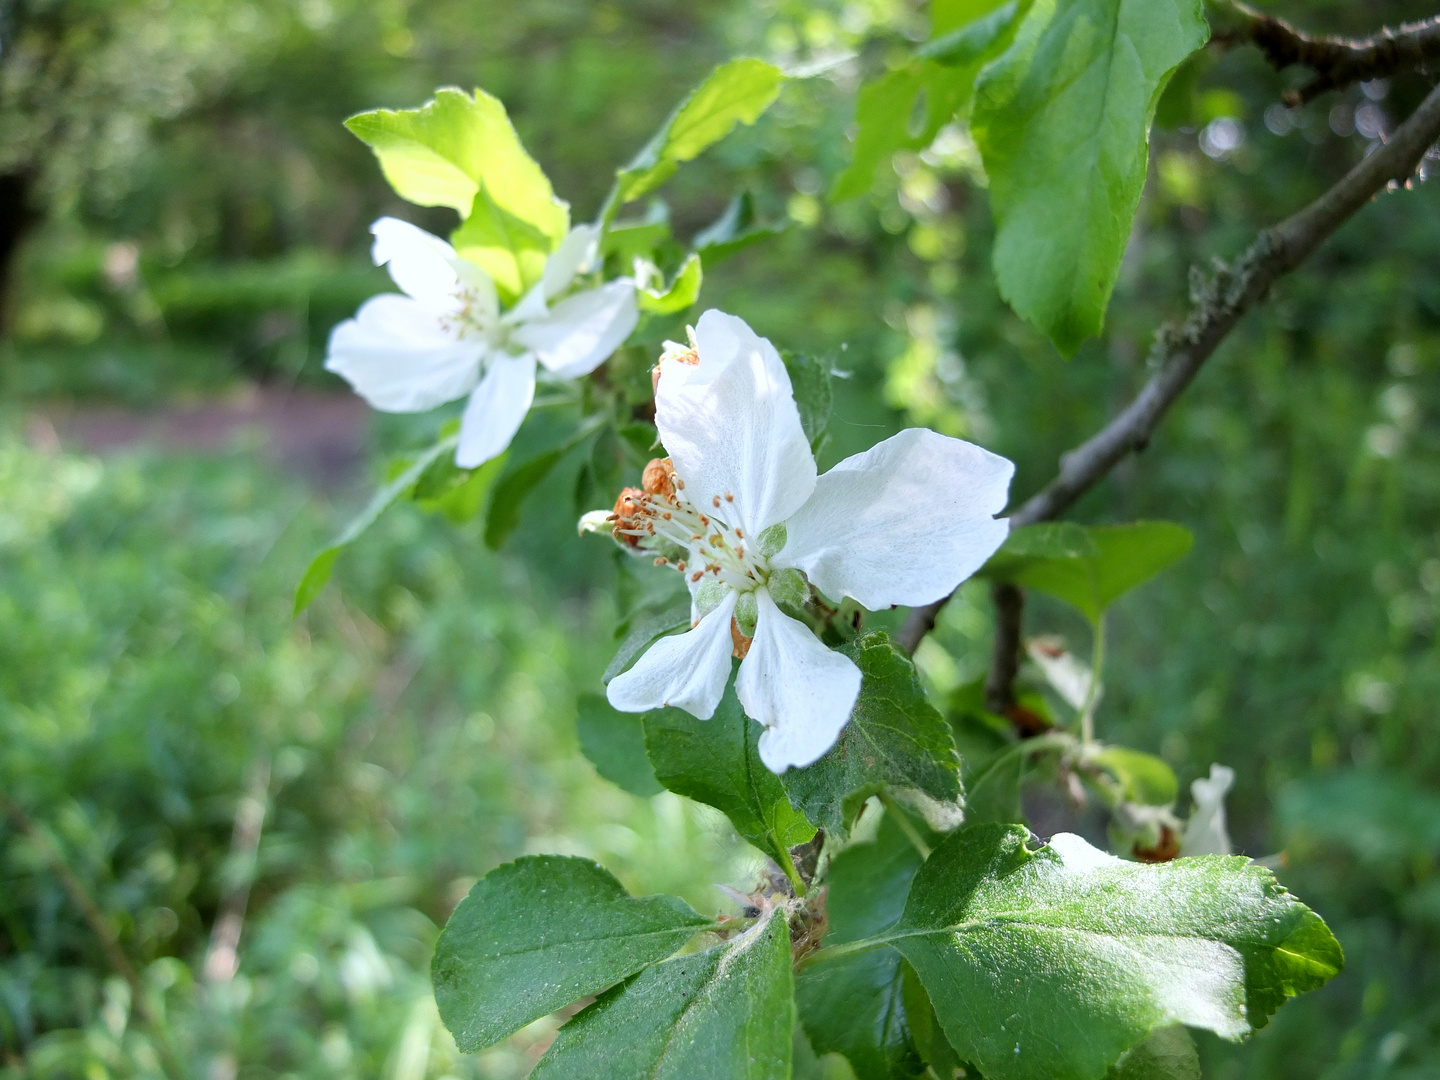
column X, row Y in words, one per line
column 468, row 317
column 660, row 518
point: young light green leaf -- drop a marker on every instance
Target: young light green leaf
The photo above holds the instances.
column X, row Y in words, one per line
column 1050, row 964
column 735, row 93
column 1143, row 778
column 895, row 741
column 852, row 1005
column 727, row 1013
column 1062, row 120
column 1168, row 1054
column 459, row 494
column 1089, row 568
column 882, row 123
column 680, row 294
column 717, row 762
column 615, row 744
column 317, row 574
column 734, row 230
column 508, row 248
column 948, row 16
column 543, row 931
column 452, row 148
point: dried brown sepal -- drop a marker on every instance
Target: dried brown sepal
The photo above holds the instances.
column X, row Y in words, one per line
column 659, row 477
column 1167, row 848
column 740, row 641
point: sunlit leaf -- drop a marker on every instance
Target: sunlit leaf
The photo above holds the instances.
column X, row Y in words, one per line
column 1062, row 120
column 734, row 93
column 1049, row 964
column 681, row 293
column 453, row 147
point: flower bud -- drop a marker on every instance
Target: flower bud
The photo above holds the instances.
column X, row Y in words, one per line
column 659, row 477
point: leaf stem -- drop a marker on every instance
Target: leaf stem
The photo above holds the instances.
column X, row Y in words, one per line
column 906, row 825
column 1092, row 692
column 788, row 865
column 1056, row 740
column 836, row 952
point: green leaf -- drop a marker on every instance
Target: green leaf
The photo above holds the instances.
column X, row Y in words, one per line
column 453, row 148
column 1383, row 819
column 680, row 294
column 973, row 39
column 814, row 396
column 1062, row 120
column 717, row 762
column 895, row 741
column 647, row 624
column 516, row 485
column 734, row 230
column 852, row 1005
column 615, row 744
column 723, row 1014
column 512, row 251
column 1050, row 964
column 882, row 120
column 1143, row 778
column 458, row 493
column 543, row 931
column 317, row 574
column 735, row 93
column 948, row 16
column 930, row 1041
column 1091, row 567
column 1168, row 1054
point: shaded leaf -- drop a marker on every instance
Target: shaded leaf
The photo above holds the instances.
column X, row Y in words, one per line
column 930, row 1041
column 458, row 493
column 615, row 744
column 734, row 230
column 1049, row 964
column 735, row 93
column 543, row 931
column 853, row 1005
column 726, row 1013
column 516, row 484
column 1088, row 567
column 814, row 396
column 645, row 625
column 1062, row 120
column 681, row 293
column 1168, row 1054
column 717, row 762
column 317, row 574
column 445, row 152
column 895, row 741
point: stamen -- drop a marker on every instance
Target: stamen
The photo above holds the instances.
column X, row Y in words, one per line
column 680, row 566
column 728, row 498
column 716, row 500
column 738, row 534
column 662, row 561
column 696, row 576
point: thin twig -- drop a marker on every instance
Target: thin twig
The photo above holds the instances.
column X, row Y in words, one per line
column 1337, row 61
column 1219, row 303
column 103, row 931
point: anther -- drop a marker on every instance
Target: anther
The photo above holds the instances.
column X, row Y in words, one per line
column 697, row 576
column 659, row 477
column 728, row 498
column 680, row 566
column 661, row 560
column 716, row 500
column 739, row 535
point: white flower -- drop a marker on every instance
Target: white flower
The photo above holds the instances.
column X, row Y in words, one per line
column 446, row 337
column 1205, row 832
column 739, row 498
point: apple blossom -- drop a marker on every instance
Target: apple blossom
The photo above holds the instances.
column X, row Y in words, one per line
column 446, row 337
column 1205, row 832
column 738, row 507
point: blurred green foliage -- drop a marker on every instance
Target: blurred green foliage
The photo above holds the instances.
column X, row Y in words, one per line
column 196, row 217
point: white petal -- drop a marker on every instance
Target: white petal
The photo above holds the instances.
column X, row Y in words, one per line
column 579, row 332
column 800, row 690
column 399, row 358
column 1205, row 832
column 903, row 523
column 731, row 426
column 495, row 409
column 575, row 254
column 688, row 670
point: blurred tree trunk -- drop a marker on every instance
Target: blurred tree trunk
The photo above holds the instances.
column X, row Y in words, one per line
column 15, row 219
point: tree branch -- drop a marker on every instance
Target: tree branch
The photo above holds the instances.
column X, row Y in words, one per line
column 1005, row 659
column 1336, row 61
column 1218, row 305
